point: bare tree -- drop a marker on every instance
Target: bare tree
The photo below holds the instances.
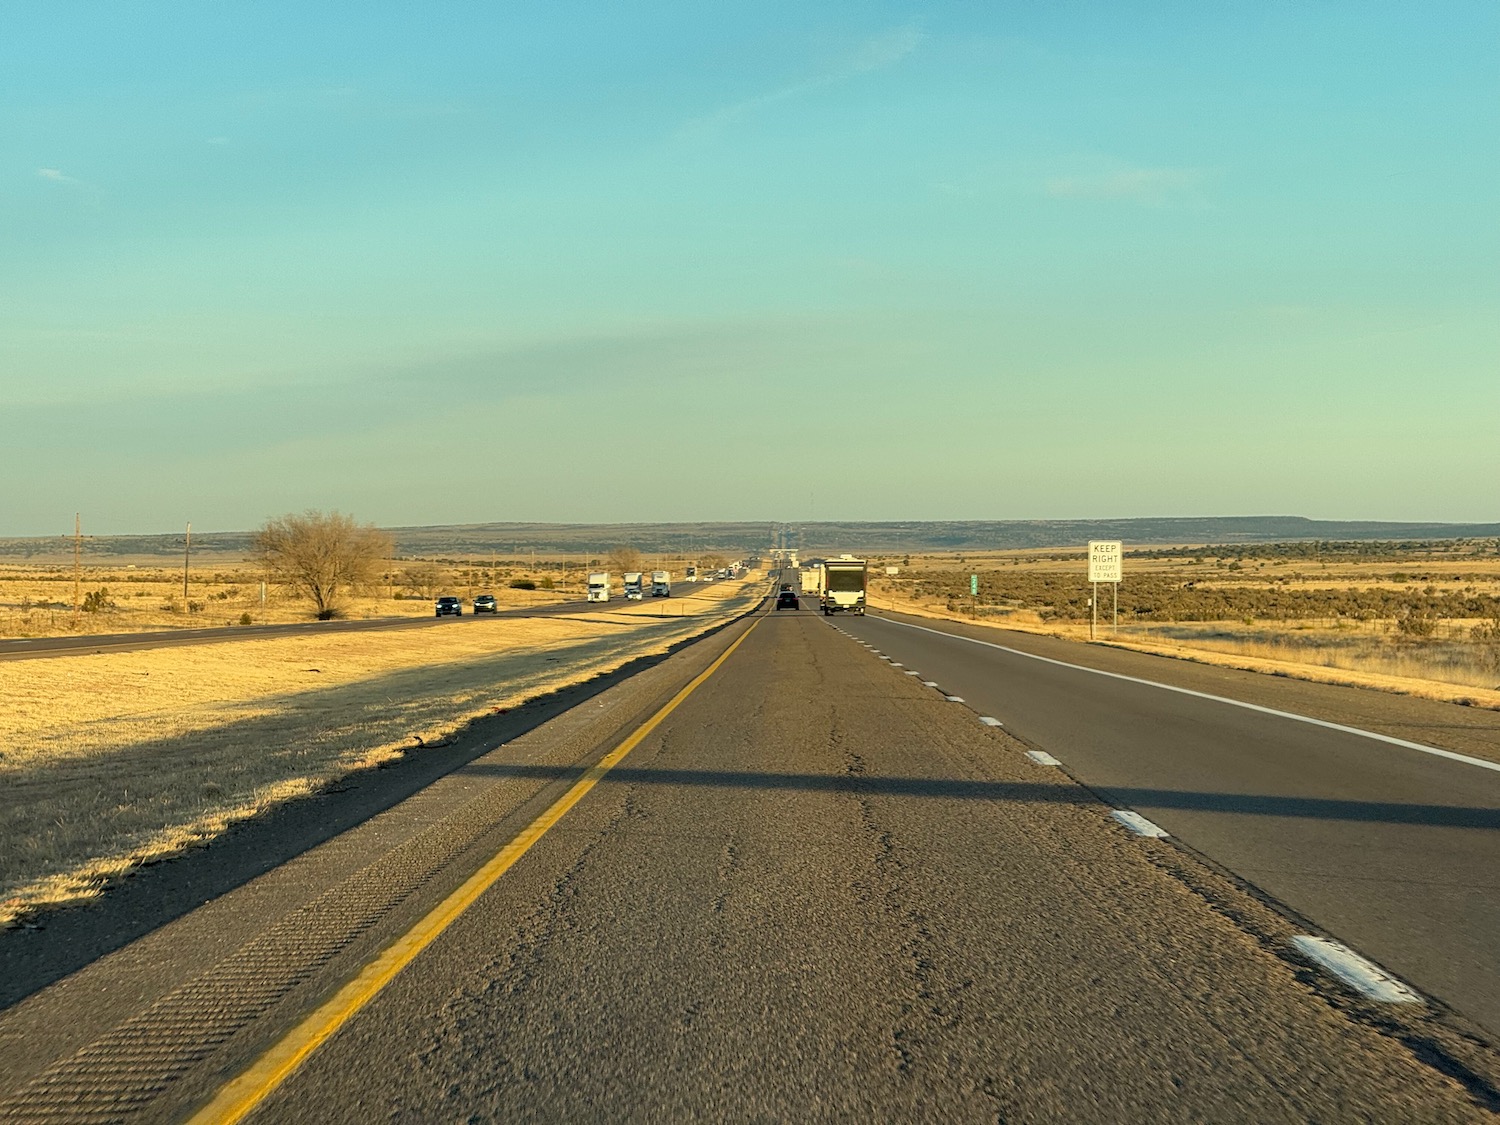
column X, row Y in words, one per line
column 624, row 560
column 322, row 555
column 423, row 579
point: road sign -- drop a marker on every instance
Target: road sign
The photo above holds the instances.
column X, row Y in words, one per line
column 1104, row 560
column 973, row 585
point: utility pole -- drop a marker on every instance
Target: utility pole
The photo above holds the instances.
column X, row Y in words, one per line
column 77, row 566
column 187, row 553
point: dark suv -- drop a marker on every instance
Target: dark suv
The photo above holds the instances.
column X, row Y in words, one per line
column 449, row 607
column 485, row 603
column 787, row 600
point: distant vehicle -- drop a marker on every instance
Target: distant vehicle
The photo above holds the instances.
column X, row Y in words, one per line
column 599, row 587
column 661, row 584
column 449, row 607
column 787, row 599
column 690, row 573
column 785, row 586
column 810, row 578
column 633, row 580
column 844, row 583
column 485, row 603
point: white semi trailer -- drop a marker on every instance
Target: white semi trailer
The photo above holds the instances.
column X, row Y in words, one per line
column 633, row 580
column 844, row 581
column 661, row 584
column 690, row 573
column 598, row 587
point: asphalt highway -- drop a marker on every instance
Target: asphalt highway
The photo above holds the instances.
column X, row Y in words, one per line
column 815, row 889
column 1395, row 851
column 23, row 648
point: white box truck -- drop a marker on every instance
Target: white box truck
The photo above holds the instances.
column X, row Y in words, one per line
column 633, row 586
column 844, row 583
column 811, row 580
column 661, row 584
column 599, row 587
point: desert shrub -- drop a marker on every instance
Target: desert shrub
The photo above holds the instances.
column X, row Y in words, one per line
column 195, row 607
column 96, row 601
column 246, row 619
column 1416, row 621
column 548, row 584
column 522, row 584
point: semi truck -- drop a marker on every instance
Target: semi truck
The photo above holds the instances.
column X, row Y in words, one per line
column 661, row 584
column 633, row 586
column 690, row 573
column 844, row 581
column 598, row 587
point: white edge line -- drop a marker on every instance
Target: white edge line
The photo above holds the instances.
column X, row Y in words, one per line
column 1391, row 739
column 1042, row 758
column 929, row 683
column 909, row 672
column 954, row 698
column 1358, row 973
column 1139, row 824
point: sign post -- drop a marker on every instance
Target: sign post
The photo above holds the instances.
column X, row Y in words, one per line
column 1104, row 566
column 974, row 596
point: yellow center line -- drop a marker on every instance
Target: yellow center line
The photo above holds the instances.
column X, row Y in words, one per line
column 240, row 1096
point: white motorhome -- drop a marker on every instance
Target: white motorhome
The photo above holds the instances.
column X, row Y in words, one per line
column 661, row 584
column 599, row 587
column 633, row 586
column 844, row 582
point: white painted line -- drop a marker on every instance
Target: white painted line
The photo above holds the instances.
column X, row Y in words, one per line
column 909, row 672
column 1042, row 758
column 929, row 683
column 954, row 698
column 896, row 664
column 990, row 722
column 1139, row 824
column 1391, row 739
column 1359, row 974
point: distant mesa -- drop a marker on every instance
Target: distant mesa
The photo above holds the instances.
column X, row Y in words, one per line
column 460, row 541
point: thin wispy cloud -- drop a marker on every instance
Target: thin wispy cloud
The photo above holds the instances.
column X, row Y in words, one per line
column 1151, row 187
column 56, row 175
column 876, row 53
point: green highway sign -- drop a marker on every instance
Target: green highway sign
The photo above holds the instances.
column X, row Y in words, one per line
column 973, row 585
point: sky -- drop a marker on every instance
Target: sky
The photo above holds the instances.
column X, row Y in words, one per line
column 472, row 262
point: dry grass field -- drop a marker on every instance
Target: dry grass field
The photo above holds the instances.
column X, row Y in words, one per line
column 51, row 598
column 1421, row 618
column 114, row 759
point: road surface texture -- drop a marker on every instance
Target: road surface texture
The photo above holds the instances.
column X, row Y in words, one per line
column 1395, row 851
column 816, row 890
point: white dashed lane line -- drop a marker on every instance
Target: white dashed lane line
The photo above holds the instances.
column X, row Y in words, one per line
column 1139, row 824
column 1360, row 974
column 954, row 698
column 990, row 721
column 1042, row 758
column 929, row 683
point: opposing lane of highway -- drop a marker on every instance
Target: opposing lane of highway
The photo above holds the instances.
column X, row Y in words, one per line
column 1394, row 851
column 21, row 648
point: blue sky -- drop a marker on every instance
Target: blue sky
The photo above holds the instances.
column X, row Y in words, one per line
column 469, row 262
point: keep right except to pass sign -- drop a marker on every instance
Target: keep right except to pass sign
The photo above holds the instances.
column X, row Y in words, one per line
column 1104, row 560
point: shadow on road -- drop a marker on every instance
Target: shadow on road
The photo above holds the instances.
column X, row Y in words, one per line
column 1444, row 816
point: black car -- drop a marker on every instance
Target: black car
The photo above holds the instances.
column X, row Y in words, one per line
column 787, row 599
column 449, row 607
column 485, row 603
